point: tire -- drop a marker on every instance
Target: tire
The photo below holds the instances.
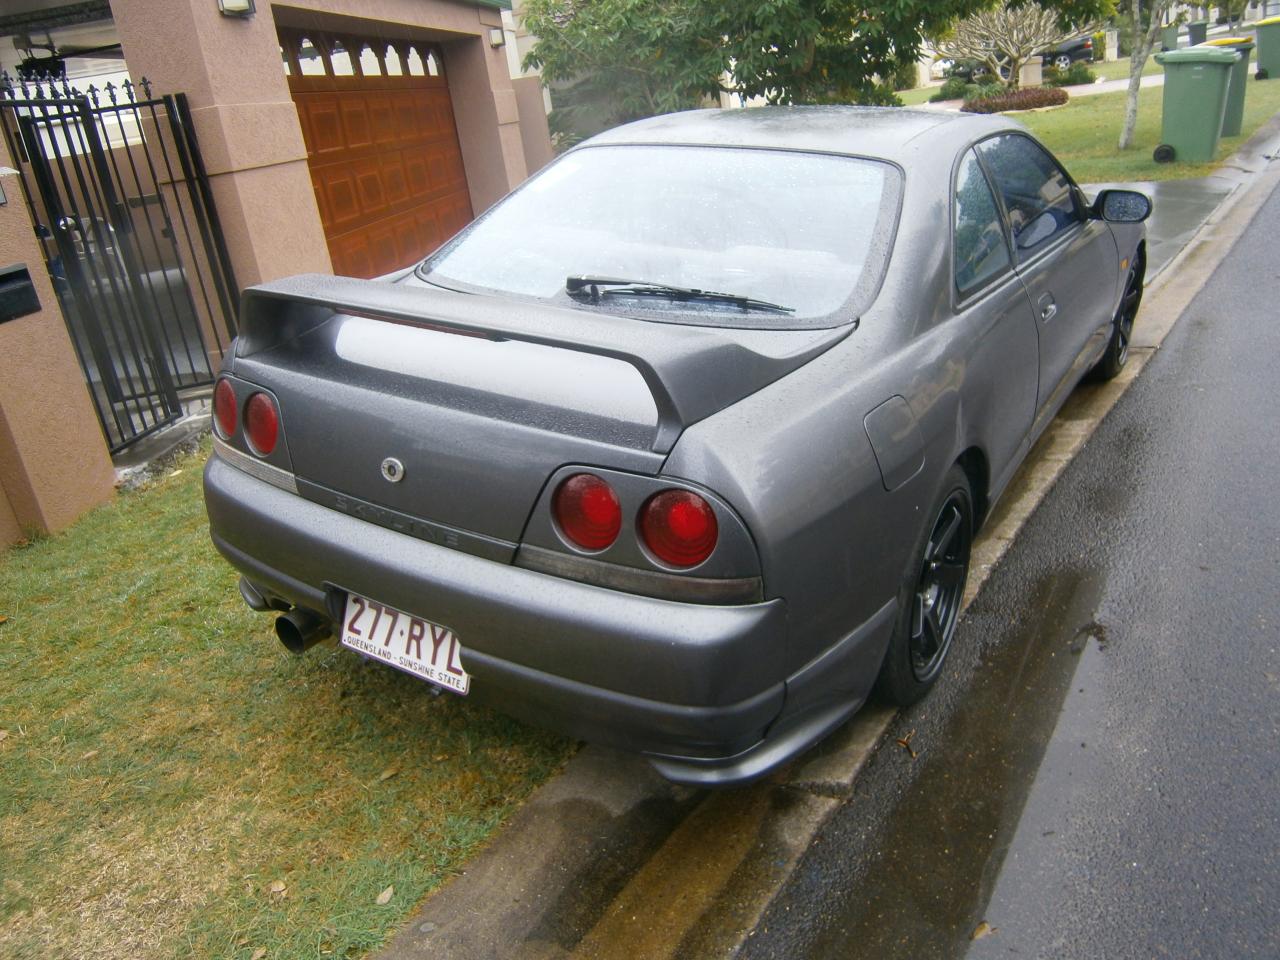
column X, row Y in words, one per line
column 929, row 602
column 1062, row 61
column 1116, row 355
column 1164, row 154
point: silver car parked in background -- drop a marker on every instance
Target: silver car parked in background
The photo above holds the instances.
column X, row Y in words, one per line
column 682, row 446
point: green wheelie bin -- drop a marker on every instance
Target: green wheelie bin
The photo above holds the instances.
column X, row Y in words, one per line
column 1197, row 31
column 1169, row 37
column 1233, row 118
column 1195, row 96
column 1268, row 47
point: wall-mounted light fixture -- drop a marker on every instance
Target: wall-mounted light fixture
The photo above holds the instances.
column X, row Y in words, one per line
column 236, row 8
column 496, row 37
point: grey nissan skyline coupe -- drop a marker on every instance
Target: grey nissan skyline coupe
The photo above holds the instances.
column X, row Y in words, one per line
column 680, row 447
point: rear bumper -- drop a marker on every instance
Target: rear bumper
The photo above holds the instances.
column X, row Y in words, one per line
column 697, row 687
column 635, row 672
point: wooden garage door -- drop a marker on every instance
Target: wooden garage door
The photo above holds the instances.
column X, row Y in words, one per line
column 381, row 145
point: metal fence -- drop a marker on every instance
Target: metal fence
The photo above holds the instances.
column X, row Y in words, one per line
column 121, row 203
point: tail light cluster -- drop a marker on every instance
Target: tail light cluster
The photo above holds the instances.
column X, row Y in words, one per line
column 678, row 527
column 261, row 418
column 588, row 511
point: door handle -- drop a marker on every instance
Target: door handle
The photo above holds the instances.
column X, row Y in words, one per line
column 1047, row 307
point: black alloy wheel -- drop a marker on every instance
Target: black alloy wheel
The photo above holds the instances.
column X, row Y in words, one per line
column 1128, row 312
column 940, row 589
column 1117, row 352
column 930, row 596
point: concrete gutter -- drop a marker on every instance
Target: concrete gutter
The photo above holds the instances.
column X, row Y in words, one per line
column 608, row 860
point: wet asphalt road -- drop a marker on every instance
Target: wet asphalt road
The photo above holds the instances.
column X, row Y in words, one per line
column 1099, row 774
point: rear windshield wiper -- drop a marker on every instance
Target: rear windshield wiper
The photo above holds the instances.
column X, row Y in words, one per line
column 593, row 288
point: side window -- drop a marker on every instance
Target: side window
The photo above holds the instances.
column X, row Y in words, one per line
column 1037, row 194
column 979, row 246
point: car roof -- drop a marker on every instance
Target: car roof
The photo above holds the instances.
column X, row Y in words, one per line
column 888, row 132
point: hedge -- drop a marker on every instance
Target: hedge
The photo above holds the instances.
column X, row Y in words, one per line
column 1027, row 98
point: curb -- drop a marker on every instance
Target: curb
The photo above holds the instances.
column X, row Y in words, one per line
column 608, row 860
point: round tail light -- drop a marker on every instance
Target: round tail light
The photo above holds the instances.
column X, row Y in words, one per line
column 224, row 408
column 679, row 528
column 587, row 510
column 261, row 423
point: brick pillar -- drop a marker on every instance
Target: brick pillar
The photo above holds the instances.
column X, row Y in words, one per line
column 53, row 460
column 245, row 121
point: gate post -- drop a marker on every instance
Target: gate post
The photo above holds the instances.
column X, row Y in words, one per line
column 53, row 461
column 246, row 123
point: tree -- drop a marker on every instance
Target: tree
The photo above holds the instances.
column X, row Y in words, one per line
column 617, row 60
column 1005, row 37
column 1145, row 20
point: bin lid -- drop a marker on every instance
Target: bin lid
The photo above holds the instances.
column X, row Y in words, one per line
column 1199, row 54
column 1234, row 43
column 1269, row 20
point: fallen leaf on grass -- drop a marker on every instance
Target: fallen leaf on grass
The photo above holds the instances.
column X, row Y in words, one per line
column 3, row 618
column 983, row 929
column 90, row 755
column 175, row 473
column 388, row 773
column 905, row 744
column 4, row 734
column 278, row 888
column 259, row 953
column 385, row 896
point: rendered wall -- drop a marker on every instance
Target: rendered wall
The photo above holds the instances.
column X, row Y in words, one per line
column 53, row 459
column 534, row 132
column 247, row 126
column 10, row 529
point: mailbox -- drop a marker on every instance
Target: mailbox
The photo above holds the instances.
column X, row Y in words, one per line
column 17, row 292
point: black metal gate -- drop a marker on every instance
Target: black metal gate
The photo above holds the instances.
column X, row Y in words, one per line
column 122, row 206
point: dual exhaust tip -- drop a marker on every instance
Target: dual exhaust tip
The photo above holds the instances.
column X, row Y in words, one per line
column 299, row 629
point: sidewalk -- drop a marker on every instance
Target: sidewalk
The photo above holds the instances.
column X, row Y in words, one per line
column 608, row 860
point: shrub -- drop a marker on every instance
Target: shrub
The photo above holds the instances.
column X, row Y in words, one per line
column 1075, row 75
column 952, row 88
column 1100, row 45
column 905, row 76
column 1027, row 98
column 984, row 91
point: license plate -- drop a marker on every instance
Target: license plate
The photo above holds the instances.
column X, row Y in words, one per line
column 417, row 646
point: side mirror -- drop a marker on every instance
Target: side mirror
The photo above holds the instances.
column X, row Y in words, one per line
column 1122, row 206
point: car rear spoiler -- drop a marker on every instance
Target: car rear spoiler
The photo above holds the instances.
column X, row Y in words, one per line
column 691, row 371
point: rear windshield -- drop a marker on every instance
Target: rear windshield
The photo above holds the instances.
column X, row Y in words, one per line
column 808, row 232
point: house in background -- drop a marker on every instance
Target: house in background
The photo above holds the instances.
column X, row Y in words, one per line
column 347, row 136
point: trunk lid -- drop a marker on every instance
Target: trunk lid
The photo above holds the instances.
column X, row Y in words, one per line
column 481, row 399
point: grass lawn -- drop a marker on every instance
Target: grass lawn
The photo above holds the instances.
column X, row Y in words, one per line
column 1119, row 69
column 913, row 98
column 1084, row 132
column 173, row 784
